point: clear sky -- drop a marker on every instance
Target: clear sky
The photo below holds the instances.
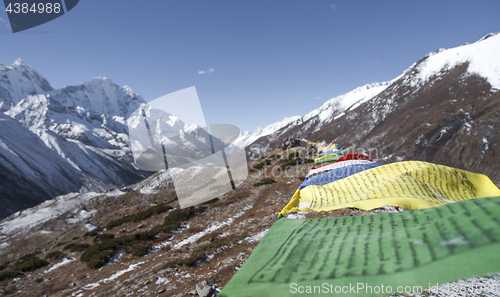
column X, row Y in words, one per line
column 252, row 62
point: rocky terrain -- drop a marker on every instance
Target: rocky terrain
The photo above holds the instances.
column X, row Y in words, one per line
column 43, row 249
column 209, row 245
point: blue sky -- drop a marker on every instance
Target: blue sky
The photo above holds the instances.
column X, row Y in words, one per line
column 262, row 60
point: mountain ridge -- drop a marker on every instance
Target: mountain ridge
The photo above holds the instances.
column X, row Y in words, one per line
column 87, row 127
column 451, row 94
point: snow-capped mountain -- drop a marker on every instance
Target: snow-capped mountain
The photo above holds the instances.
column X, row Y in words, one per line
column 327, row 112
column 19, row 81
column 79, row 137
column 482, row 58
column 98, row 95
column 318, row 118
column 182, row 143
column 247, row 137
column 445, row 108
column 336, row 107
column 56, row 141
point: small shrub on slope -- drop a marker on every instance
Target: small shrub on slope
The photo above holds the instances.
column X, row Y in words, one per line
column 76, row 247
column 103, row 237
column 29, row 263
column 264, row 181
column 4, row 265
column 54, row 255
column 137, row 244
column 135, row 218
column 9, row 274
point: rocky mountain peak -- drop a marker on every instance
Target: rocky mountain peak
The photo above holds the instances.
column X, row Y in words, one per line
column 18, row 63
column 19, row 81
column 102, row 95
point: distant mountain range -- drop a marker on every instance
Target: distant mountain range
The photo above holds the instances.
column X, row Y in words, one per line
column 445, row 109
column 75, row 139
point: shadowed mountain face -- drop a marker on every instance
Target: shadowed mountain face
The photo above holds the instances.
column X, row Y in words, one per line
column 448, row 116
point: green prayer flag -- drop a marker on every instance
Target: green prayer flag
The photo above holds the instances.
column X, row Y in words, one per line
column 373, row 255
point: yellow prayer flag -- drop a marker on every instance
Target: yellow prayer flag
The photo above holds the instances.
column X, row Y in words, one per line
column 409, row 185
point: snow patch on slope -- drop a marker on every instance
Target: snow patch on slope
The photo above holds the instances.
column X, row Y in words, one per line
column 65, row 261
column 43, row 212
column 346, row 101
column 113, row 277
column 257, row 237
